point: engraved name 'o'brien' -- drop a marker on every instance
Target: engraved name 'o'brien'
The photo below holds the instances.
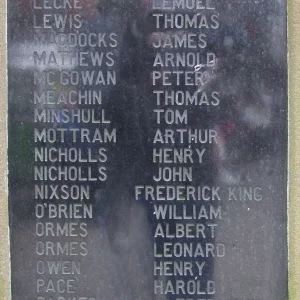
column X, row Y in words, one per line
column 64, row 211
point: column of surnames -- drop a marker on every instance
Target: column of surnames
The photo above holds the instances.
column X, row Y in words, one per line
column 72, row 136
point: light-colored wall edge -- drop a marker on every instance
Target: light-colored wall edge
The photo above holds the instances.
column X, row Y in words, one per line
column 294, row 181
column 4, row 233
column 294, row 154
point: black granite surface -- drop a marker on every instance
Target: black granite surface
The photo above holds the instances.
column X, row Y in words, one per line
column 148, row 149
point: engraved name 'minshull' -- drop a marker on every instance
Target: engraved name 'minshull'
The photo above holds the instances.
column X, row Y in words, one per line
column 73, row 116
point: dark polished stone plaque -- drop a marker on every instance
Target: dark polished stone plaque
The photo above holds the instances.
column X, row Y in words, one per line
column 147, row 149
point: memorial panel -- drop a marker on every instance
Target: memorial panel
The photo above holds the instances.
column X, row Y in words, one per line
column 147, row 149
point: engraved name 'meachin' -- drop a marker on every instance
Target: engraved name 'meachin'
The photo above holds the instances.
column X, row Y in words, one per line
column 72, row 97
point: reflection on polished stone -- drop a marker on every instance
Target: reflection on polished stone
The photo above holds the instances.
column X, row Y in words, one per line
column 147, row 149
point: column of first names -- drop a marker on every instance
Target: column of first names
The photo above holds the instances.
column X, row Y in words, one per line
column 187, row 207
column 72, row 136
